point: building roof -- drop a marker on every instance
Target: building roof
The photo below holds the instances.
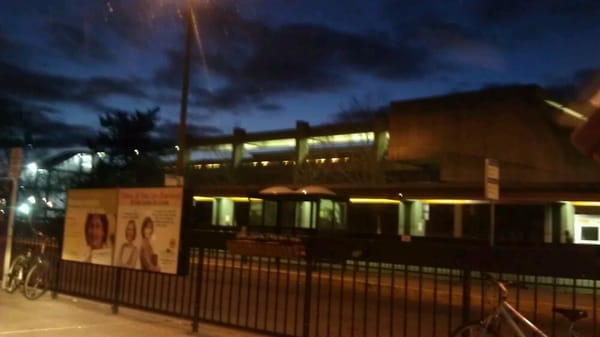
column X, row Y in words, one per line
column 51, row 161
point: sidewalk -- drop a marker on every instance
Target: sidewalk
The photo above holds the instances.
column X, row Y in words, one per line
column 67, row 316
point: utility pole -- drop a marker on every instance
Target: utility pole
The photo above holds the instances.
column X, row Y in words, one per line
column 182, row 150
column 14, row 172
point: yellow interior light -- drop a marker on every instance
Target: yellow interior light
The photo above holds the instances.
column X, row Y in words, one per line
column 243, row 199
column 201, row 198
column 236, row 199
column 373, row 201
column 453, row 201
column 586, row 203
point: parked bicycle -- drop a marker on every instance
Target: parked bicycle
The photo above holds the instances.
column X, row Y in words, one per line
column 505, row 314
column 30, row 272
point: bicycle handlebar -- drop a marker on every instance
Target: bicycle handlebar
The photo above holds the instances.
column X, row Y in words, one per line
column 501, row 286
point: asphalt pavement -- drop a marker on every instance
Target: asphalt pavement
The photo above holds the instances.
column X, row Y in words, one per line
column 68, row 316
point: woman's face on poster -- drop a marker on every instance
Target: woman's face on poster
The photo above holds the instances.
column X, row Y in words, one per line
column 95, row 232
column 130, row 231
column 148, row 229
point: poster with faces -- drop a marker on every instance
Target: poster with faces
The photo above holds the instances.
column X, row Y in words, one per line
column 136, row 228
column 89, row 229
column 148, row 228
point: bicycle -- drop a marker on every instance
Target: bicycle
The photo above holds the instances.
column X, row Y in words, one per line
column 506, row 313
column 30, row 271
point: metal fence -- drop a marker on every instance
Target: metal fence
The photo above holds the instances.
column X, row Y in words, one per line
column 350, row 286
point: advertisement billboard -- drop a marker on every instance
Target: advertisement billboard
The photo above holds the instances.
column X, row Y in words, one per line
column 89, row 231
column 148, row 227
column 137, row 228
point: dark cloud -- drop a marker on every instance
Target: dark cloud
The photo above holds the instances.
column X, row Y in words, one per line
column 461, row 44
column 45, row 134
column 530, row 21
column 313, row 58
column 34, row 124
column 170, row 75
column 270, row 107
column 106, row 86
column 510, row 11
column 232, row 98
column 169, row 130
column 79, row 43
column 257, row 62
column 10, row 50
column 138, row 22
column 31, row 85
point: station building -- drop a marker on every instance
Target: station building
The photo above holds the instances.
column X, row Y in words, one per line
column 419, row 169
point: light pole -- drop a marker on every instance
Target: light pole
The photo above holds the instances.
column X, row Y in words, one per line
column 182, row 150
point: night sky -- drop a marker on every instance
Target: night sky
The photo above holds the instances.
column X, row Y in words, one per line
column 263, row 64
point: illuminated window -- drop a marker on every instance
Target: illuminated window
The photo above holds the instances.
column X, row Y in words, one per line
column 343, row 139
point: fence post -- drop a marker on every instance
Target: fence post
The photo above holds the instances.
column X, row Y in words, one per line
column 55, row 268
column 307, row 294
column 198, row 284
column 117, row 292
column 466, row 298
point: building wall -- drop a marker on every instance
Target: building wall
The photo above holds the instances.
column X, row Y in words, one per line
column 459, row 131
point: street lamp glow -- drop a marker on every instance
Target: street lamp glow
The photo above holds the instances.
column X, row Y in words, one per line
column 31, row 199
column 32, row 167
column 24, row 209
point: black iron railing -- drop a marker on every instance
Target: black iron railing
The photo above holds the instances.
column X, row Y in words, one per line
column 350, row 286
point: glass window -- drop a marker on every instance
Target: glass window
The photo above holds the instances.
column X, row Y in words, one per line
column 255, row 213
column 223, row 212
column 306, row 214
column 270, row 213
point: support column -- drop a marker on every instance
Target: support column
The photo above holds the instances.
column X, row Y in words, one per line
column 401, row 219
column 237, row 154
column 562, row 220
column 416, row 221
column 380, row 147
column 548, row 224
column 302, row 148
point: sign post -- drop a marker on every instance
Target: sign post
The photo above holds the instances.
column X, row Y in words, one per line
column 492, row 192
column 14, row 171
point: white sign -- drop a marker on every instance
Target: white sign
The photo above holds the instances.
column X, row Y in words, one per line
column 492, row 179
column 587, row 229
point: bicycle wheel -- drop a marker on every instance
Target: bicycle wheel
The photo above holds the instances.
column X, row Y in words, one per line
column 16, row 274
column 472, row 329
column 37, row 281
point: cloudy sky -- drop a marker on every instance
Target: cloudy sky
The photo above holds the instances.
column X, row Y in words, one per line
column 263, row 64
